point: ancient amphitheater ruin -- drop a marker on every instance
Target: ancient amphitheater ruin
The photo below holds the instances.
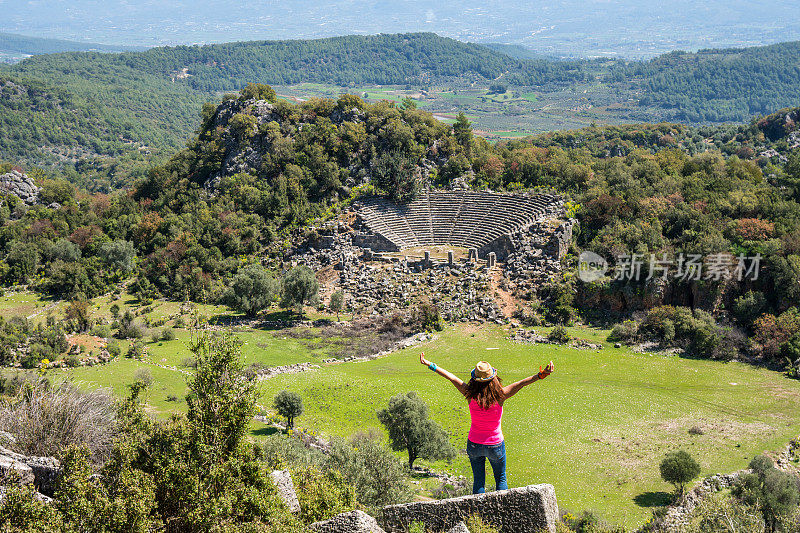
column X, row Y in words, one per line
column 475, row 254
column 466, row 219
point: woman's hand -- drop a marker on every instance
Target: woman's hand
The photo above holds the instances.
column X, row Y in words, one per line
column 423, row 360
column 547, row 370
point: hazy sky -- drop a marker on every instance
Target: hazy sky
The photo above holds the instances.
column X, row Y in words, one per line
column 634, row 28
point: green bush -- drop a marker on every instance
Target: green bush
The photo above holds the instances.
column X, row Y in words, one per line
column 559, row 335
column 427, row 317
column 774, row 493
column 101, row 330
column 748, row 307
column 625, row 332
column 321, row 494
column 720, row 513
column 369, row 465
column 476, row 524
column 113, row 348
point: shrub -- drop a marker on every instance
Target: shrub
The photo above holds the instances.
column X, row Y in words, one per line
column 774, row 493
column 101, row 330
column 748, row 307
column 167, row 335
column 475, row 524
column 143, row 378
column 427, row 317
column 770, row 332
column 188, row 362
column 135, row 350
column 721, row 513
column 558, row 335
column 679, row 468
column 321, row 494
column 626, row 332
column 370, row 466
column 128, row 328
column 46, row 420
column 113, row 348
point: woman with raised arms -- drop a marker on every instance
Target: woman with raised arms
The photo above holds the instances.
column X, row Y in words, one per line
column 486, row 394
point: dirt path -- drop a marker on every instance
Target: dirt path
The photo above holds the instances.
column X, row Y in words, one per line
column 44, row 310
column 504, row 299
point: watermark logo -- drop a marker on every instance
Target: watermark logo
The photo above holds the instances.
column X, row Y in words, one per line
column 591, row 266
column 682, row 267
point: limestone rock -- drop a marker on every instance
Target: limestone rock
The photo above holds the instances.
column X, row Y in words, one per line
column 41, row 471
column 20, row 185
column 461, row 527
column 352, row 522
column 283, row 481
column 531, row 508
column 14, row 472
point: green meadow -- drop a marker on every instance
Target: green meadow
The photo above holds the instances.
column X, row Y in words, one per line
column 596, row 429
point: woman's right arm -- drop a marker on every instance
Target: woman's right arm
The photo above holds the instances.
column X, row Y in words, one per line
column 457, row 383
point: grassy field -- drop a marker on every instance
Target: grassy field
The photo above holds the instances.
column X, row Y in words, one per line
column 596, row 429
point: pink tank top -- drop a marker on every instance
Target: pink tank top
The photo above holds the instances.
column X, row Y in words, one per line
column 486, row 424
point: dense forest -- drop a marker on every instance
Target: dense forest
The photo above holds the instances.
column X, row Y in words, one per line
column 101, row 118
column 718, row 85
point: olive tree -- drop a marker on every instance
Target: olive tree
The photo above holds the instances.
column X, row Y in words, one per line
column 252, row 290
column 679, row 468
column 336, row 303
column 406, row 420
column 299, row 287
column 289, row 405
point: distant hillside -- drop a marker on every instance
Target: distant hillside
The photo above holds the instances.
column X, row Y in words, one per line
column 126, row 110
column 718, row 85
column 417, row 58
column 22, row 44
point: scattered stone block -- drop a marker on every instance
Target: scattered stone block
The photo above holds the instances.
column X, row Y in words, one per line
column 461, row 527
column 531, row 508
column 283, row 481
column 13, row 471
column 352, row 522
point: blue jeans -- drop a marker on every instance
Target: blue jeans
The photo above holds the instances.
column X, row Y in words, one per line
column 478, row 453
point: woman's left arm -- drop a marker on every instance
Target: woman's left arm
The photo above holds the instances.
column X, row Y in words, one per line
column 511, row 390
column 457, row 383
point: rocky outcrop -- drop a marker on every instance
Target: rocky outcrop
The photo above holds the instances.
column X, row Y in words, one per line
column 519, row 510
column 20, row 469
column 352, row 522
column 678, row 515
column 20, row 185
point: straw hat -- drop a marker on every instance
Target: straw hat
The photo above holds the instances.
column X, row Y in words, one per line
column 483, row 371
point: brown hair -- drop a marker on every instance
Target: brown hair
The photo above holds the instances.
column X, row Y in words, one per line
column 486, row 393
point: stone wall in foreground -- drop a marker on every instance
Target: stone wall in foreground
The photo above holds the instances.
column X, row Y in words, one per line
column 530, row 509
